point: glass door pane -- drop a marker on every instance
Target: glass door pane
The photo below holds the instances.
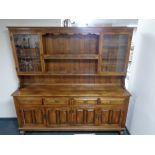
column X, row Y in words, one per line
column 115, row 47
column 28, row 52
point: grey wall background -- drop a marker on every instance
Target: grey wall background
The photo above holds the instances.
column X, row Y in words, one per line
column 141, row 84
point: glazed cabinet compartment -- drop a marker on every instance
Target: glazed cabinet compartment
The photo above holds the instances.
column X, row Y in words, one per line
column 114, row 52
column 27, row 48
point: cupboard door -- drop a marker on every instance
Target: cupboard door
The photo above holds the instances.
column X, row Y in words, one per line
column 31, row 116
column 114, row 52
column 84, row 116
column 57, row 116
column 110, row 116
column 27, row 52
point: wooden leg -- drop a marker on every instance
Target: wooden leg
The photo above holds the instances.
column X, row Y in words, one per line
column 22, row 132
column 121, row 132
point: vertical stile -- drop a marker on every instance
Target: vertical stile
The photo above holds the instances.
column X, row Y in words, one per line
column 41, row 52
column 100, row 63
column 128, row 52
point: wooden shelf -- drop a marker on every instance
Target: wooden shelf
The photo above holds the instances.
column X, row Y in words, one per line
column 54, row 74
column 28, row 49
column 28, row 57
column 71, row 56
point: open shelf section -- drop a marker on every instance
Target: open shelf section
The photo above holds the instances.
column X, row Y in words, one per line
column 71, row 56
column 70, row 44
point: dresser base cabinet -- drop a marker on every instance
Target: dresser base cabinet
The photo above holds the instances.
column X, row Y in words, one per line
column 71, row 113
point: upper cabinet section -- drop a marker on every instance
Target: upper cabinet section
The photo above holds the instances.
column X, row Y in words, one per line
column 71, row 51
column 27, row 52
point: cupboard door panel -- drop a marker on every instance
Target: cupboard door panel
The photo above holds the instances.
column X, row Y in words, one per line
column 83, row 116
column 57, row 116
column 27, row 116
column 31, row 116
column 51, row 116
column 79, row 116
column 116, row 117
column 104, row 116
column 111, row 116
column 90, row 116
column 38, row 116
column 63, row 117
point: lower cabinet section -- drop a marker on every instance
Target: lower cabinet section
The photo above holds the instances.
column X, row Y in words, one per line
column 78, row 113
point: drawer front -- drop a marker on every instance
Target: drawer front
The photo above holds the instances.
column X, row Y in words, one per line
column 111, row 101
column 29, row 100
column 97, row 101
column 56, row 100
column 84, row 100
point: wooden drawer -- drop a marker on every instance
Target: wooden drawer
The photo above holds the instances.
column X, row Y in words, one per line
column 56, row 100
column 84, row 100
column 29, row 100
column 111, row 101
column 97, row 100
